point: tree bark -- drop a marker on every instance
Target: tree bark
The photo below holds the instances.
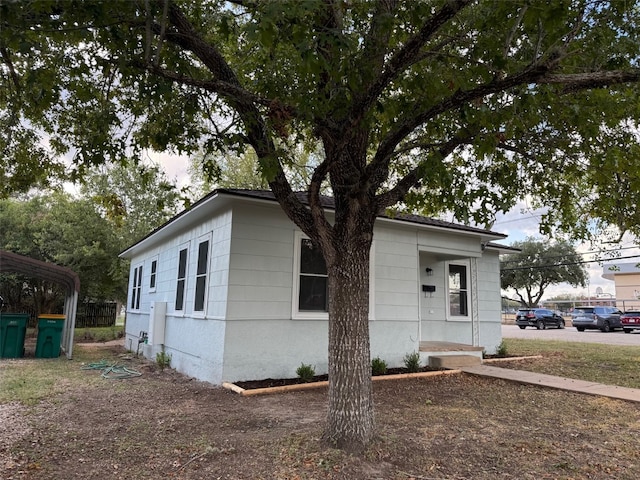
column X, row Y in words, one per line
column 350, row 418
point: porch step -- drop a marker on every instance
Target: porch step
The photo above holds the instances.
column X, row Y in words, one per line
column 454, row 361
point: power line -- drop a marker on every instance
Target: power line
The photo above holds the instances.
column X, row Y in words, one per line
column 564, row 264
column 532, row 216
column 601, row 252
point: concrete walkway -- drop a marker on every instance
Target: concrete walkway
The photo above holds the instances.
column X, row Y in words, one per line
column 562, row 383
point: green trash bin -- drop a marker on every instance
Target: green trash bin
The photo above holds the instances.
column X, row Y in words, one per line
column 13, row 329
column 49, row 335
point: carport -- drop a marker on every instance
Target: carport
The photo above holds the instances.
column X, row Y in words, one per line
column 12, row 262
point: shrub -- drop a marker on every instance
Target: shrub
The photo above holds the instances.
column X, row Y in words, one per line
column 306, row 372
column 501, row 351
column 87, row 336
column 163, row 360
column 378, row 366
column 412, row 362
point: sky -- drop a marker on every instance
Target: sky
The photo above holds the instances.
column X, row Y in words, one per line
column 520, row 222
column 176, row 167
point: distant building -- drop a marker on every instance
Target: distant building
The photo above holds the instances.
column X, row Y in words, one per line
column 627, row 283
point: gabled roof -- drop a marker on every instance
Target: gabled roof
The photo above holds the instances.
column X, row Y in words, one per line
column 327, row 203
column 12, row 262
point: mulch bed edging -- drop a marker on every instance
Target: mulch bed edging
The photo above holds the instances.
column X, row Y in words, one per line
column 306, row 386
column 510, row 359
column 398, row 376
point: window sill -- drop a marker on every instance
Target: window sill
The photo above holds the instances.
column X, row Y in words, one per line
column 310, row 316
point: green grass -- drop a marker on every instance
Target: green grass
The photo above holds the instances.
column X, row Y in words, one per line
column 99, row 334
column 90, row 334
column 28, row 381
column 610, row 364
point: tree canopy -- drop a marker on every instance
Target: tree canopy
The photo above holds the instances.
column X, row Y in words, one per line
column 538, row 265
column 446, row 105
column 117, row 206
column 59, row 229
column 517, row 88
column 133, row 198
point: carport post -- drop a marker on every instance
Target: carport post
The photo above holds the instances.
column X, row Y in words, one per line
column 70, row 309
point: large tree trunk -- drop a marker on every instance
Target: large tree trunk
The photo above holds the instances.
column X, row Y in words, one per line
column 350, row 419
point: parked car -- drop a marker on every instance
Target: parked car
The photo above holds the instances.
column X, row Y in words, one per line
column 605, row 319
column 540, row 318
column 630, row 321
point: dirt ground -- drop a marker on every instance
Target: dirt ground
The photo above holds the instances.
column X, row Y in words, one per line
column 165, row 425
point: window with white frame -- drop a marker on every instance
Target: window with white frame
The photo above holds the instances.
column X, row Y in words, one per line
column 182, row 279
column 458, row 288
column 153, row 275
column 136, row 288
column 201, row 276
column 313, row 295
column 311, row 281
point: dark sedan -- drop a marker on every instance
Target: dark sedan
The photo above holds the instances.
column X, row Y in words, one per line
column 540, row 318
column 630, row 320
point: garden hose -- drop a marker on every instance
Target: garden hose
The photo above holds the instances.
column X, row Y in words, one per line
column 112, row 370
column 102, row 364
column 118, row 372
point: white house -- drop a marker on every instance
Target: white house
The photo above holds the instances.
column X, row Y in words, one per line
column 228, row 290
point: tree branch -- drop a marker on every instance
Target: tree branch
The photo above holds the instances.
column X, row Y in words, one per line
column 315, row 203
column 517, row 23
column 328, row 20
column 163, row 31
column 413, row 178
column 408, row 55
column 255, row 126
column 585, row 81
column 416, row 117
column 6, row 59
column 225, row 89
column 377, row 39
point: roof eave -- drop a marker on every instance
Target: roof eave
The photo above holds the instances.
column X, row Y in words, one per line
column 485, row 235
column 176, row 223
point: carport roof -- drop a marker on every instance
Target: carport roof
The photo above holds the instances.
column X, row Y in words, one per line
column 12, row 262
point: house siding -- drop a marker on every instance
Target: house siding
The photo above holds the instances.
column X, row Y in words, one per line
column 274, row 348
column 195, row 342
column 489, row 301
column 261, row 264
column 396, row 261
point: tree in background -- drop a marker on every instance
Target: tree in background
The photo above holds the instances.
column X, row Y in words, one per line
column 59, row 229
column 118, row 205
column 134, row 198
column 537, row 266
column 446, row 105
column 210, row 171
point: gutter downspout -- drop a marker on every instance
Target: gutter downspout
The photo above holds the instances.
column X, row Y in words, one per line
column 418, row 289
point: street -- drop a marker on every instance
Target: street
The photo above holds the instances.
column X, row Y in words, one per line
column 570, row 334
